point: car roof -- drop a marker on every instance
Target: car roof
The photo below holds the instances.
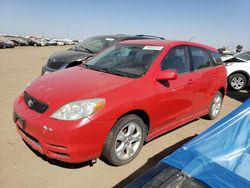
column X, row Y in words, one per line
column 112, row 36
column 122, row 37
column 168, row 43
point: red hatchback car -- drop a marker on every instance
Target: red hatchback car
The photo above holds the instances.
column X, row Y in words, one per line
column 128, row 94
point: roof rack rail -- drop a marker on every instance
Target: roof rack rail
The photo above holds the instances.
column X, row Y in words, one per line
column 150, row 36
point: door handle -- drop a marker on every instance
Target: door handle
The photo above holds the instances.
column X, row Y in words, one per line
column 213, row 76
column 190, row 82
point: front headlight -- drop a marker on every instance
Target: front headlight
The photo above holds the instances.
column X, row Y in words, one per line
column 79, row 109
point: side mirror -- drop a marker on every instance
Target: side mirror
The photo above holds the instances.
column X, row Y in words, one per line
column 167, row 75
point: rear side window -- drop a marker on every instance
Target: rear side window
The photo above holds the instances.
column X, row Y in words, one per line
column 216, row 58
column 177, row 59
column 200, row 58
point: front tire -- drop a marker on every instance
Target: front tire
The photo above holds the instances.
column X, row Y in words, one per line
column 215, row 106
column 125, row 140
column 237, row 81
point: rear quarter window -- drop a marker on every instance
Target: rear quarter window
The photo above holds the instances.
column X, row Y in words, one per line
column 200, row 58
column 216, row 58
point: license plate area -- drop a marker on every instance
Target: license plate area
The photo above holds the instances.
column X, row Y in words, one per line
column 19, row 120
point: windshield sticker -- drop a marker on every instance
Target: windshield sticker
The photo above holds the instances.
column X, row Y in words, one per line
column 109, row 39
column 153, row 48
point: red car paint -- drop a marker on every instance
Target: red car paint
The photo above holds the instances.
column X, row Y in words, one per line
column 165, row 107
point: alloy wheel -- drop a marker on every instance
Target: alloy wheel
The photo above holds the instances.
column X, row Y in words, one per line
column 216, row 105
column 128, row 141
column 237, row 82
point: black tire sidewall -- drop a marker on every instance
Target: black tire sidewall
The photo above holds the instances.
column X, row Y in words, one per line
column 109, row 145
column 237, row 75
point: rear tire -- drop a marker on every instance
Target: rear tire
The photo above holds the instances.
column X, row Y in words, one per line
column 215, row 106
column 237, row 81
column 124, row 141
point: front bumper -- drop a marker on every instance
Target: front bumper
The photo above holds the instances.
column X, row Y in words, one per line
column 68, row 141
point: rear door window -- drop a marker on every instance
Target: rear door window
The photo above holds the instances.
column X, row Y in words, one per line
column 177, row 59
column 200, row 58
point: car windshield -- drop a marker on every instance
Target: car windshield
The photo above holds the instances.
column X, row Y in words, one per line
column 125, row 60
column 244, row 56
column 94, row 45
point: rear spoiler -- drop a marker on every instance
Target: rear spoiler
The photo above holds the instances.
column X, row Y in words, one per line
column 151, row 36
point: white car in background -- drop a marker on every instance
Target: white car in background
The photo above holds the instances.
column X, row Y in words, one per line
column 238, row 70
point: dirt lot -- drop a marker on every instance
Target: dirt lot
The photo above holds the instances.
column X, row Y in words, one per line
column 22, row 167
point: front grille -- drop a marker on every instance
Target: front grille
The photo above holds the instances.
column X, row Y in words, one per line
column 35, row 104
column 54, row 64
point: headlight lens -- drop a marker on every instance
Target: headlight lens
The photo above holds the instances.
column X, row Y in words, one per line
column 79, row 109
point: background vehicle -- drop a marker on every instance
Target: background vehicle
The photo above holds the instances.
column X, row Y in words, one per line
column 226, row 54
column 6, row 43
column 238, row 70
column 84, row 50
column 2, row 44
column 17, row 40
column 218, row 157
column 132, row 92
column 10, row 41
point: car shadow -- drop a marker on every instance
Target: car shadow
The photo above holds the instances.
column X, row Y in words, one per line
column 60, row 163
column 240, row 96
column 152, row 162
column 173, row 130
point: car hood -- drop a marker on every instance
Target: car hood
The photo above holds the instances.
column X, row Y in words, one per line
column 68, row 56
column 73, row 84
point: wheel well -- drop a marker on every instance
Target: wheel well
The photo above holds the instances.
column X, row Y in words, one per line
column 222, row 90
column 142, row 114
column 240, row 72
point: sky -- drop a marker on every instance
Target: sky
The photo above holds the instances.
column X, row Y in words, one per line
column 214, row 22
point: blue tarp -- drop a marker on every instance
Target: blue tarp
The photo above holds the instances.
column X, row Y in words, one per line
column 220, row 156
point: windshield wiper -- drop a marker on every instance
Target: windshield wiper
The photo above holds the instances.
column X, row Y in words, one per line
column 110, row 71
column 113, row 71
column 93, row 67
column 86, row 49
column 104, row 69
